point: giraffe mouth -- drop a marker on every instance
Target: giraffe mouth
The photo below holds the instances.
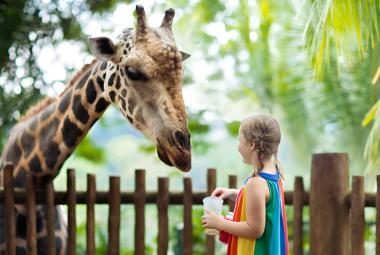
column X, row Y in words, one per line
column 173, row 156
column 163, row 156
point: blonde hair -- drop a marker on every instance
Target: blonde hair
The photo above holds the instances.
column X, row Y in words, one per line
column 264, row 131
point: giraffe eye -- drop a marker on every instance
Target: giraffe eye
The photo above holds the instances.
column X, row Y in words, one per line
column 135, row 75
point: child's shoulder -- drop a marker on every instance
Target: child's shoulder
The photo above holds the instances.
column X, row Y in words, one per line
column 256, row 182
column 257, row 185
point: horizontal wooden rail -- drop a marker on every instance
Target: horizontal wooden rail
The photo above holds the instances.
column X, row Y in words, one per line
column 175, row 198
column 101, row 197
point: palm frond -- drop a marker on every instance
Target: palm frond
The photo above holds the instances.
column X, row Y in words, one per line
column 372, row 152
column 351, row 26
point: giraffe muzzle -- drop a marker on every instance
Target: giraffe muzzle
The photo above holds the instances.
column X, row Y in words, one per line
column 183, row 140
column 175, row 151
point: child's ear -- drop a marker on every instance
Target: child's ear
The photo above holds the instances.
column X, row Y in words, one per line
column 102, row 48
column 253, row 146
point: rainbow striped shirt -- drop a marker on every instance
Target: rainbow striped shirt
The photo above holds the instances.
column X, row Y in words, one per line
column 274, row 240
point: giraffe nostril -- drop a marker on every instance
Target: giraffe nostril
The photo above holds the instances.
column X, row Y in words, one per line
column 183, row 140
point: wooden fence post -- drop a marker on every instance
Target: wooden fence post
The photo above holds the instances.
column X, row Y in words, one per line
column 90, row 224
column 232, row 184
column 114, row 199
column 163, row 219
column 298, row 198
column 357, row 215
column 51, row 214
column 31, row 235
column 139, row 198
column 378, row 216
column 329, row 210
column 211, row 185
column 187, row 217
column 71, row 204
column 9, row 215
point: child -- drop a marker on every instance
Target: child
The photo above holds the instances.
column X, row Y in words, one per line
column 259, row 221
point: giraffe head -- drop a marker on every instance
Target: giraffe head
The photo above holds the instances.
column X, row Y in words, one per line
column 142, row 74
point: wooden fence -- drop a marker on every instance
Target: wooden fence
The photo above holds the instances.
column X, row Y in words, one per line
column 337, row 221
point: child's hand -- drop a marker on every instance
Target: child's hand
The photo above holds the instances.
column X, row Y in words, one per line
column 212, row 220
column 221, row 193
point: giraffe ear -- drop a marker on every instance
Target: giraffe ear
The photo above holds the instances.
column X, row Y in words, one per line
column 102, row 48
column 184, row 55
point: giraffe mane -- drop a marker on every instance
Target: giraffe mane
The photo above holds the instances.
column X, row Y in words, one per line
column 33, row 110
column 42, row 104
column 78, row 75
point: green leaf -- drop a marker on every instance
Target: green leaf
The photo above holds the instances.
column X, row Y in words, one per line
column 196, row 127
column 233, row 128
column 71, row 28
column 369, row 117
column 147, row 148
column 88, row 150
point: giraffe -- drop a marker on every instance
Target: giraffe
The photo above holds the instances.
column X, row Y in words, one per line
column 141, row 73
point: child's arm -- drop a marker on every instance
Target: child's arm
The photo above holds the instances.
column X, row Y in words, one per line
column 256, row 193
column 225, row 193
column 234, row 193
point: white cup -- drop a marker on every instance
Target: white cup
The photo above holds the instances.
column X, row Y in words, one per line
column 213, row 204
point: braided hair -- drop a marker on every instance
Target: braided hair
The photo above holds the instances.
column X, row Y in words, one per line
column 264, row 131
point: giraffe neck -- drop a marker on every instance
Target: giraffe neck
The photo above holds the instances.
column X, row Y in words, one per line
column 78, row 110
column 43, row 142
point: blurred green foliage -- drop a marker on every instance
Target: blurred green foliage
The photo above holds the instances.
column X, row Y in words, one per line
column 90, row 151
column 26, row 27
column 233, row 127
column 272, row 56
